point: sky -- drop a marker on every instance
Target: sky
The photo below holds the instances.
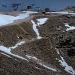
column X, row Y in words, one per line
column 52, row 4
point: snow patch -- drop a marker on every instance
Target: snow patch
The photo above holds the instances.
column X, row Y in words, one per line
column 47, row 67
column 6, row 55
column 63, row 63
column 67, row 68
column 7, row 19
column 36, row 30
column 63, row 12
column 18, row 44
column 31, row 57
column 8, row 50
column 57, row 51
column 69, row 27
column 38, row 61
column 60, row 12
column 41, row 21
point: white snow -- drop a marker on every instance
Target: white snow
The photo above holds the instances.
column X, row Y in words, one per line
column 37, row 67
column 6, row 55
column 36, row 30
column 63, row 12
column 67, row 68
column 41, row 21
column 31, row 57
column 18, row 44
column 57, row 51
column 49, row 68
column 40, row 63
column 4, row 49
column 7, row 19
column 63, row 63
column 60, row 12
column 69, row 27
column 8, row 50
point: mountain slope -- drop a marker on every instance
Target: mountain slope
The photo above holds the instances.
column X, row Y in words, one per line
column 47, row 43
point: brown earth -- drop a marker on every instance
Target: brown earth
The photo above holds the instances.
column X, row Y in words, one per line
column 43, row 49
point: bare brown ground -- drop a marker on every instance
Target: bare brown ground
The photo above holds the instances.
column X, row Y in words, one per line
column 43, row 49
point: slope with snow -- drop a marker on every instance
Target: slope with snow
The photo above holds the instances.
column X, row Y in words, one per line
column 41, row 21
column 7, row 19
column 36, row 30
column 67, row 68
column 8, row 50
column 61, row 12
column 38, row 61
column 63, row 63
column 69, row 27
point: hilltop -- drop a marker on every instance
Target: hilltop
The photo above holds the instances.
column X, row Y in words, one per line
column 69, row 9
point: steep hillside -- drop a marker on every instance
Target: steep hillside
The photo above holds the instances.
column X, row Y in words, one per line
column 38, row 45
column 70, row 9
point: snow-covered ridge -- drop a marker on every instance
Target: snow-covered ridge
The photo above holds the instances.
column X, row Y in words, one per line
column 7, row 19
column 41, row 21
column 69, row 27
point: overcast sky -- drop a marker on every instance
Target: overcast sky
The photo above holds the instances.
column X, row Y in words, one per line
column 52, row 4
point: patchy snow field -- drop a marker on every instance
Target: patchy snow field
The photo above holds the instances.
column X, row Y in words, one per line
column 69, row 27
column 8, row 50
column 62, row 12
column 67, row 68
column 63, row 63
column 36, row 30
column 47, row 67
column 40, row 63
column 41, row 21
column 7, row 19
